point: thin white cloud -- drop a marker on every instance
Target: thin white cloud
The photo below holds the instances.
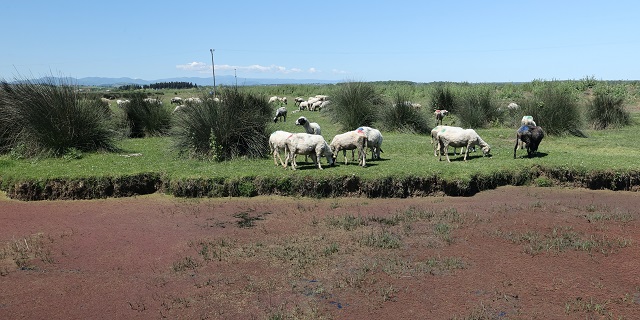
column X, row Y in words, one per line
column 202, row 67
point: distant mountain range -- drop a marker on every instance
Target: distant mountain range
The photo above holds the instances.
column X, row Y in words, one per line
column 220, row 80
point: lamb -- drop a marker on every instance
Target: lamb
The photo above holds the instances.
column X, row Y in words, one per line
column 352, row 140
column 309, row 127
column 531, row 136
column 276, row 144
column 461, row 138
column 307, row 144
column 281, row 113
column 440, row 114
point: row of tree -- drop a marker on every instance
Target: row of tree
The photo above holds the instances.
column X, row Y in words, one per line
column 160, row 85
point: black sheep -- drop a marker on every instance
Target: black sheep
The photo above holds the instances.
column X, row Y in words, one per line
column 531, row 136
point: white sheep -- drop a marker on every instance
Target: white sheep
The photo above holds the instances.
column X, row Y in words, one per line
column 153, row 101
column 527, row 121
column 309, row 127
column 122, row 103
column 273, row 99
column 316, row 106
column 513, row 106
column 179, row 108
column 352, row 140
column 307, row 144
column 374, row 140
column 277, row 144
column 192, row 100
column 281, row 113
column 303, row 105
column 464, row 138
column 434, row 138
column 176, row 100
column 283, row 100
column 440, row 114
column 297, row 100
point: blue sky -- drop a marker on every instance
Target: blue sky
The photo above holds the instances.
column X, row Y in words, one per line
column 421, row 41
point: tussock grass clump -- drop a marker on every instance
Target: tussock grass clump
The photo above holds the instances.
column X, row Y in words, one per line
column 49, row 118
column 443, row 98
column 401, row 116
column 477, row 108
column 555, row 108
column 235, row 126
column 147, row 118
column 355, row 104
column 607, row 109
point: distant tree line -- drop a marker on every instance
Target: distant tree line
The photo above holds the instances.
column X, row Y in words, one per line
column 160, row 85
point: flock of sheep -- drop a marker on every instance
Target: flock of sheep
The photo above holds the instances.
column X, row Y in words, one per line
column 311, row 143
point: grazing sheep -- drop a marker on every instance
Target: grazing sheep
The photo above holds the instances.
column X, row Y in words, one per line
column 122, row 103
column 307, row 144
column 105, row 101
column 176, row 100
column 316, row 106
column 440, row 114
column 461, row 138
column 153, row 101
column 531, row 136
column 309, row 127
column 192, row 100
column 303, row 105
column 434, row 139
column 297, row 100
column 352, row 140
column 281, row 113
column 276, row 144
column 283, row 100
column 273, row 99
column 526, row 121
column 513, row 106
column 179, row 108
column 324, row 104
column 374, row 141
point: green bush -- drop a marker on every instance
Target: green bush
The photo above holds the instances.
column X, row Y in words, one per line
column 49, row 118
column 400, row 115
column 555, row 108
column 235, row 126
column 146, row 118
column 607, row 108
column 443, row 98
column 355, row 104
column 476, row 107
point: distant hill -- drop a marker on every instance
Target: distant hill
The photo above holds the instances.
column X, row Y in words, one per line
column 221, row 80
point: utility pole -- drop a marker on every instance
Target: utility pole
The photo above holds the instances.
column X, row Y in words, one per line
column 236, row 76
column 213, row 70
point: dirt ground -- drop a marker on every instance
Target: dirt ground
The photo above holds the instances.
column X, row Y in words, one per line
column 509, row 253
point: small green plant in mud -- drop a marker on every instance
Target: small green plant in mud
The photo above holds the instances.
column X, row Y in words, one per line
column 23, row 251
column 383, row 239
column 581, row 305
column 543, row 182
column 347, row 222
column 331, row 249
column 186, row 263
column 247, row 218
column 443, row 231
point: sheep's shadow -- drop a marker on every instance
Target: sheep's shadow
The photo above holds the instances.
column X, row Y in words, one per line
column 461, row 157
column 536, row 155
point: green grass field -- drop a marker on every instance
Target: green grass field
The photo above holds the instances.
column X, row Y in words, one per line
column 404, row 155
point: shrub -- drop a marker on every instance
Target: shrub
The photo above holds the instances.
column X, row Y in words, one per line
column 146, row 118
column 607, row 109
column 355, row 104
column 555, row 108
column 401, row 116
column 442, row 98
column 48, row 118
column 476, row 108
column 235, row 126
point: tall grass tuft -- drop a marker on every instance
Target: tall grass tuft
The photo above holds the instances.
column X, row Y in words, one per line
column 400, row 115
column 555, row 108
column 355, row 104
column 607, row 109
column 146, row 118
column 477, row 108
column 443, row 98
column 235, row 126
column 48, row 118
